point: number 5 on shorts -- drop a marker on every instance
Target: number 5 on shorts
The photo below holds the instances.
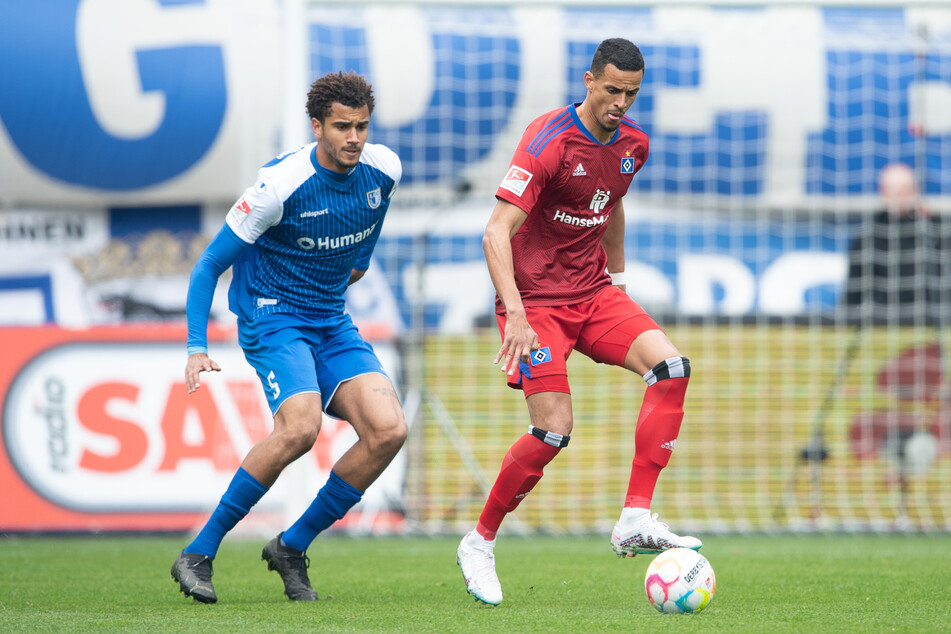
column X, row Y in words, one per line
column 273, row 384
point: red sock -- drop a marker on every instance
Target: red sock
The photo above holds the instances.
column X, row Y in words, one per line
column 521, row 469
column 658, row 425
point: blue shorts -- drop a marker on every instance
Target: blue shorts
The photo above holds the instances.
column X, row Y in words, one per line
column 292, row 354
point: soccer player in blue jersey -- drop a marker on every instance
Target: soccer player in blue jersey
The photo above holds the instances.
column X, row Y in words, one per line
column 295, row 240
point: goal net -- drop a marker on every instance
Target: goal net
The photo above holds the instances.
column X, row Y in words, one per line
column 768, row 130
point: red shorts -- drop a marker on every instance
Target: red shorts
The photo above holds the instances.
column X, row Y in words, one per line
column 602, row 328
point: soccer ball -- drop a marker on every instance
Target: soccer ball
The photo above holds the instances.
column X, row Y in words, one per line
column 680, row 581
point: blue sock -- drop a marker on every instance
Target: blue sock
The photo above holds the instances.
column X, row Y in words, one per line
column 333, row 501
column 243, row 493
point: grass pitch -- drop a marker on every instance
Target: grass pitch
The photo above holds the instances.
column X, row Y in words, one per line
column 846, row 583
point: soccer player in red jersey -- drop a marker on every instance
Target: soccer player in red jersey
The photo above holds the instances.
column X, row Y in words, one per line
column 555, row 251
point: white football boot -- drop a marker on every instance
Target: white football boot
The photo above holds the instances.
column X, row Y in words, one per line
column 478, row 570
column 649, row 537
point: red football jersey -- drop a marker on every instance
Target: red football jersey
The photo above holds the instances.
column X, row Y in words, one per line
column 568, row 183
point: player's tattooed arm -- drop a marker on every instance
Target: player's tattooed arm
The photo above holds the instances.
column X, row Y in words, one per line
column 386, row 392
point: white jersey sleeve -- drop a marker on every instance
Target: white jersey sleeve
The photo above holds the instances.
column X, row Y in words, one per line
column 384, row 159
column 258, row 209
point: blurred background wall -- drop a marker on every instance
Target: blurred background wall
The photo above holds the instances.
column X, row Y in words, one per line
column 129, row 127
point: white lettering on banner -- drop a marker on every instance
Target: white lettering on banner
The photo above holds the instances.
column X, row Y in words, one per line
column 701, row 273
column 109, row 36
column 38, row 234
column 737, row 45
column 699, row 283
column 41, row 229
column 55, row 417
column 649, row 286
column 783, row 285
column 93, row 440
column 784, row 46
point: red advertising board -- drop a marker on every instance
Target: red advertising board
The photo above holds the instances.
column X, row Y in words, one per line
column 100, row 434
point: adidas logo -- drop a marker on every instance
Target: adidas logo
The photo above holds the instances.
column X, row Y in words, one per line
column 669, row 445
column 579, row 171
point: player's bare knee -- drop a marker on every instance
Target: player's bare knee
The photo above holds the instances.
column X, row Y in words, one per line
column 392, row 438
column 299, row 435
column 388, row 437
column 555, row 420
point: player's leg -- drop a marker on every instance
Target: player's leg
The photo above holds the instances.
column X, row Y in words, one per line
column 544, row 381
column 283, row 360
column 522, row 468
column 523, row 465
column 356, row 389
column 619, row 332
column 296, row 426
column 667, row 373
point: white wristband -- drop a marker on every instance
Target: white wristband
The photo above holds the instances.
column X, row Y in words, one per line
column 618, row 279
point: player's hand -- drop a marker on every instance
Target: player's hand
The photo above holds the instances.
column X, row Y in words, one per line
column 198, row 363
column 518, row 342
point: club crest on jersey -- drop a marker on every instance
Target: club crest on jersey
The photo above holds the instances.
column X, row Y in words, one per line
column 516, row 180
column 374, row 198
column 542, row 355
column 627, row 165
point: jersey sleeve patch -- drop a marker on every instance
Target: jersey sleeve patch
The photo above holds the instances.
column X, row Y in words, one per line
column 516, row 180
column 258, row 209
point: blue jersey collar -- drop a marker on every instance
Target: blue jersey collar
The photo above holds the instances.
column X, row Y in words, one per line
column 587, row 133
column 330, row 175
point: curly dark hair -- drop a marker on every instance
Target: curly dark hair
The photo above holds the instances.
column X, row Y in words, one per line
column 348, row 89
column 623, row 54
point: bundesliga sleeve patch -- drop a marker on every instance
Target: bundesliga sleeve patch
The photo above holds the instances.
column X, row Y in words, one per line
column 516, row 180
column 238, row 212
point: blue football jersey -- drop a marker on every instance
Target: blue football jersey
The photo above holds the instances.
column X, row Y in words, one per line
column 307, row 228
